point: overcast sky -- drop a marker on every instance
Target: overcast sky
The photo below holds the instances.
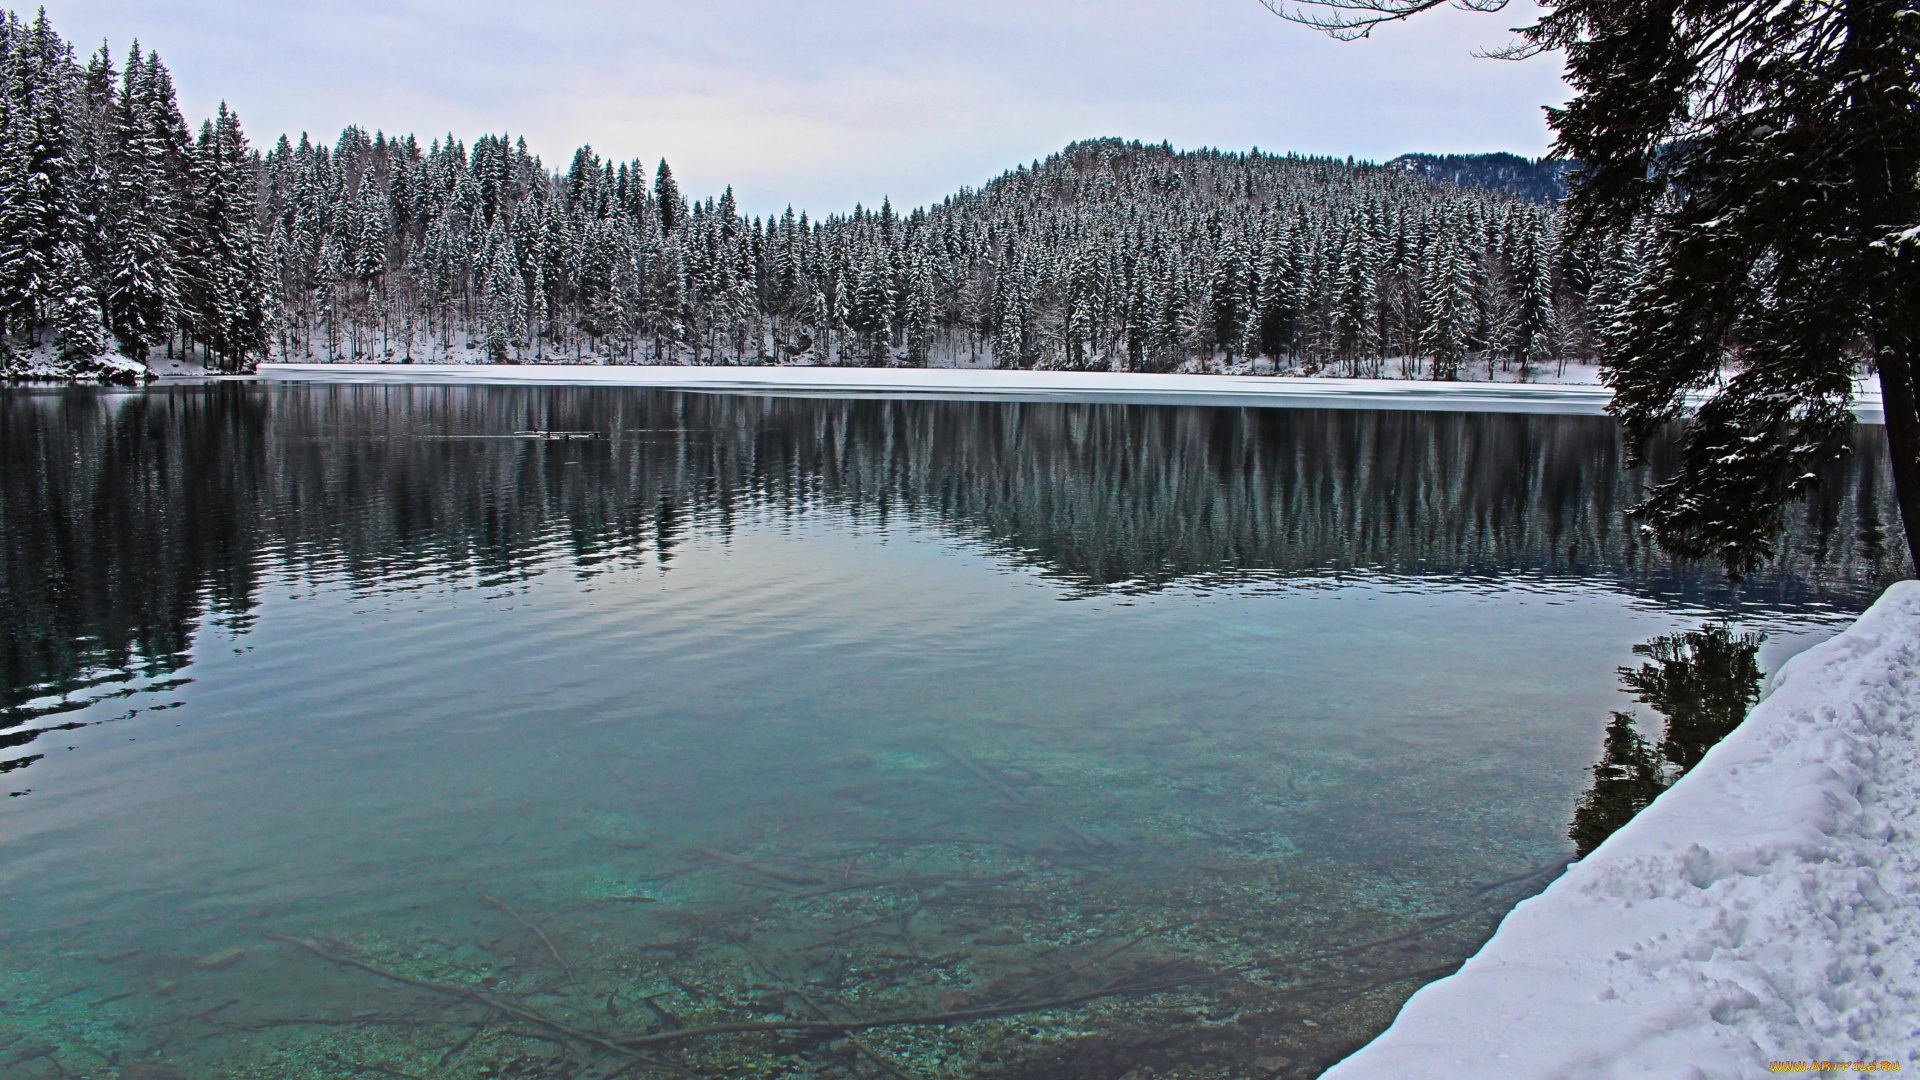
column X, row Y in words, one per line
column 827, row 104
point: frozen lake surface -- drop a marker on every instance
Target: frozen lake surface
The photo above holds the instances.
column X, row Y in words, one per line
column 1085, row 737
column 1581, row 398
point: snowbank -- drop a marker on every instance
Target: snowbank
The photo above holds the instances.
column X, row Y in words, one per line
column 961, row 384
column 43, row 364
column 1766, row 908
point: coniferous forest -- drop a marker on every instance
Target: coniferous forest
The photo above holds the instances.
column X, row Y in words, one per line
column 124, row 236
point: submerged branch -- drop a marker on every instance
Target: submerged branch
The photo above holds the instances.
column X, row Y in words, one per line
column 957, row 1016
column 599, row 1042
column 629, row 1047
column 885, row 1063
column 539, row 933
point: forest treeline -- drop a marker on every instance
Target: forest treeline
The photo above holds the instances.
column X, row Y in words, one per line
column 119, row 230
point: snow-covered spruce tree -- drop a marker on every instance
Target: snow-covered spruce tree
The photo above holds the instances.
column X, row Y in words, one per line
column 506, row 304
column 170, row 139
column 232, row 321
column 36, row 200
column 78, row 337
column 92, row 158
column 1774, row 151
column 142, row 291
column 666, row 197
column 1448, row 309
column 1535, row 329
column 920, row 313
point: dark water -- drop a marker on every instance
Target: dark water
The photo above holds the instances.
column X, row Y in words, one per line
column 1102, row 741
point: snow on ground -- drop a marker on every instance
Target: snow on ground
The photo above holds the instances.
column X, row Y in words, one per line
column 42, row 364
column 1766, row 908
column 957, row 383
column 174, row 367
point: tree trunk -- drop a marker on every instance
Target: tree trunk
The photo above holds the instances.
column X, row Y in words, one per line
column 1884, row 157
column 1903, row 436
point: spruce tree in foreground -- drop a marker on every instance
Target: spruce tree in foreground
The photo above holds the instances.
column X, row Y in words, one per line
column 1770, row 151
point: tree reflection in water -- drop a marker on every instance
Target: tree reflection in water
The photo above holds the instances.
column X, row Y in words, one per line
column 130, row 517
column 1702, row 682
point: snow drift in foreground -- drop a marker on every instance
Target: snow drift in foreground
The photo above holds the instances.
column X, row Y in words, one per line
column 1765, row 908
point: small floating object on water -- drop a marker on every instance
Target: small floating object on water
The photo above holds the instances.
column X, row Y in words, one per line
column 560, row 435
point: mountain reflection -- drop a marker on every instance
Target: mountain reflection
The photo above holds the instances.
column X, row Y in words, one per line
column 129, row 516
column 1701, row 683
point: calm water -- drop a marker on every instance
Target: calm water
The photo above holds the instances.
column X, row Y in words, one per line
column 1106, row 741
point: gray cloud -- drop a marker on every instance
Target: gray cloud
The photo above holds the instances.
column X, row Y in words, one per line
column 828, row 104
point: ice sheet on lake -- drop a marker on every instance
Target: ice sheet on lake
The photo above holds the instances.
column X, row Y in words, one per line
column 960, row 384
column 1765, row 908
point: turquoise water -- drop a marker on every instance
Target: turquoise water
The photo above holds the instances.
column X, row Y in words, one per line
column 1087, row 740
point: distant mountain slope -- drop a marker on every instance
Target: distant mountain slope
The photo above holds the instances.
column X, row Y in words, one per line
column 1541, row 181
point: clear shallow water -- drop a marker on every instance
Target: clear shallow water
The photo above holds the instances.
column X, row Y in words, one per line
column 1223, row 730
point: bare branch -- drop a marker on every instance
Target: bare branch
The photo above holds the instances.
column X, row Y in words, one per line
column 1350, row 20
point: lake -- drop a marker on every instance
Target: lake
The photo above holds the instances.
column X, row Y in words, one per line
column 351, row 730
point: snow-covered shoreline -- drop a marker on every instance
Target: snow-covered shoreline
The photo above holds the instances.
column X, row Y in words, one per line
column 1766, row 908
column 974, row 383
